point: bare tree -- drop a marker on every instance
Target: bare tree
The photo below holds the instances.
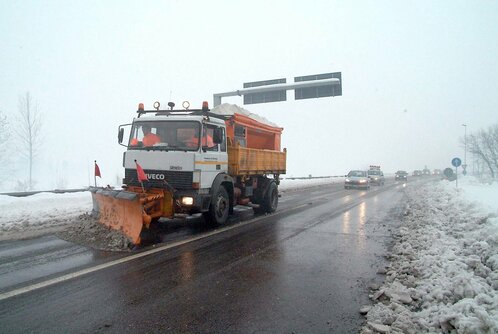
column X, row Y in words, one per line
column 28, row 129
column 4, row 147
column 484, row 146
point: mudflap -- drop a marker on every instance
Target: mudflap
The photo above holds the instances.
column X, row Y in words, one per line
column 119, row 210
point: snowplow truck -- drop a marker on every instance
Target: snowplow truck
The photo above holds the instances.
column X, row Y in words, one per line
column 182, row 162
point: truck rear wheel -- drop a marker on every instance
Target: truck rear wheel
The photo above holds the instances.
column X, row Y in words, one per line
column 270, row 200
column 219, row 208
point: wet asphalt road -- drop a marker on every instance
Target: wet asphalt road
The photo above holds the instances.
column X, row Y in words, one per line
column 305, row 269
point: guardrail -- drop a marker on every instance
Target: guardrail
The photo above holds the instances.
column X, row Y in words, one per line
column 310, row 177
column 62, row 191
column 55, row 191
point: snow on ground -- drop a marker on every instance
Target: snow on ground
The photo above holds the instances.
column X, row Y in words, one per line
column 443, row 272
column 443, row 275
column 289, row 185
column 41, row 213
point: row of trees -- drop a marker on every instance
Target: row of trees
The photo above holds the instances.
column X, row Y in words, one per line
column 483, row 145
column 21, row 139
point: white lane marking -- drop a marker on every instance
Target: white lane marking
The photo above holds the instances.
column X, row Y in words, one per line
column 67, row 277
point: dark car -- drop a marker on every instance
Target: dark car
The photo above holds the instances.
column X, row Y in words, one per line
column 401, row 175
column 417, row 172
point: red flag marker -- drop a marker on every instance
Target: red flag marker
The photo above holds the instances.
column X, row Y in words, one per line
column 97, row 170
column 97, row 173
column 140, row 173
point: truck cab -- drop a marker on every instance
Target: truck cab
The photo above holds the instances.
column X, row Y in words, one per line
column 186, row 155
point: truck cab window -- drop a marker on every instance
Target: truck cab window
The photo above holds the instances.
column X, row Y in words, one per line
column 223, row 146
column 165, row 135
column 207, row 138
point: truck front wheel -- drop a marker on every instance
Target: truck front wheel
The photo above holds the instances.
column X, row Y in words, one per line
column 219, row 208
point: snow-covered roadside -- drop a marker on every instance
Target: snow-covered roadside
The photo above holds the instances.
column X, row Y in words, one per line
column 443, row 275
column 289, row 185
column 25, row 217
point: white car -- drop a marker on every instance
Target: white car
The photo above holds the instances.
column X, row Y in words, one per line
column 357, row 179
column 376, row 177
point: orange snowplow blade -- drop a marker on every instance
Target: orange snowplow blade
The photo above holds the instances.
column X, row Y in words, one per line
column 129, row 211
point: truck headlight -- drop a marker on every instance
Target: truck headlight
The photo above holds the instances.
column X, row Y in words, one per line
column 347, row 180
column 187, row 200
column 363, row 181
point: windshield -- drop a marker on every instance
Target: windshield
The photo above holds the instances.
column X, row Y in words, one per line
column 373, row 172
column 165, row 135
column 357, row 173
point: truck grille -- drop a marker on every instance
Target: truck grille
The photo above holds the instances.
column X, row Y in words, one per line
column 178, row 180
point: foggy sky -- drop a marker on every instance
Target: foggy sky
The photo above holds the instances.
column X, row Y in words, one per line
column 413, row 72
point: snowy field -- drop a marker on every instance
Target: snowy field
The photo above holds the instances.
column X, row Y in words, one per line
column 443, row 272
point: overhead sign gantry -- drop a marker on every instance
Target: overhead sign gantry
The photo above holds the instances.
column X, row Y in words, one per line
column 275, row 90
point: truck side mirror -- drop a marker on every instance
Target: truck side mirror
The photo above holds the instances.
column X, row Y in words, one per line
column 218, row 136
column 120, row 135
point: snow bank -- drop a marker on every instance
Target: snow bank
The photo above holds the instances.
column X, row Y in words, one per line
column 443, row 276
column 289, row 185
column 33, row 215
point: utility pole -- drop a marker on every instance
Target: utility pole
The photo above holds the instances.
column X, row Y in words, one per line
column 464, row 166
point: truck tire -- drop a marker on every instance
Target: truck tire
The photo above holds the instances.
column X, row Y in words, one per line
column 270, row 200
column 219, row 208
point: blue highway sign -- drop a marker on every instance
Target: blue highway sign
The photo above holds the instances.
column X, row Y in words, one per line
column 456, row 162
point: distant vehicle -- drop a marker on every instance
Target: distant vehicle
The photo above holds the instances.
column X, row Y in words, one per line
column 357, row 179
column 426, row 171
column 376, row 176
column 401, row 175
column 437, row 172
column 417, row 172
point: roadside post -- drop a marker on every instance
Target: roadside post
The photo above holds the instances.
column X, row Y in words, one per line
column 456, row 162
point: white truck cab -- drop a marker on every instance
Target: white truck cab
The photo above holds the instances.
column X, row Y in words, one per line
column 188, row 153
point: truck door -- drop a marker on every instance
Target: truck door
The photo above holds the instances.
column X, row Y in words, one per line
column 213, row 159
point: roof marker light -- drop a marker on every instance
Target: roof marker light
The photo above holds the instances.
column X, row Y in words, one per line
column 140, row 107
column 205, row 106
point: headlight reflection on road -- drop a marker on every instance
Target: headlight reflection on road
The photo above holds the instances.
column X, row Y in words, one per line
column 362, row 219
column 187, row 266
column 353, row 222
column 346, row 217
